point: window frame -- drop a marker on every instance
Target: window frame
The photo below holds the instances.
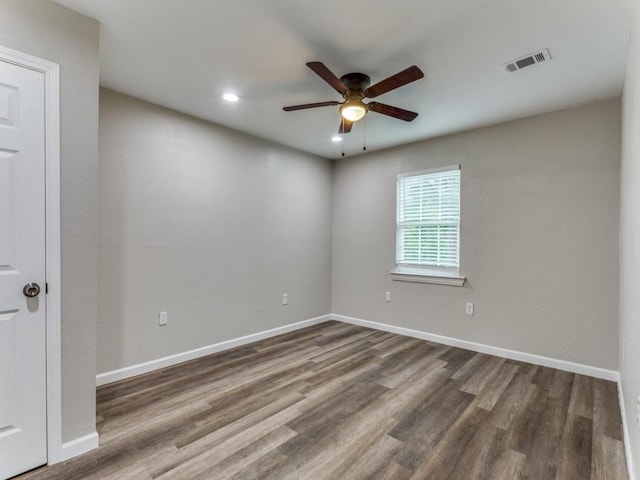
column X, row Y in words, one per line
column 428, row 273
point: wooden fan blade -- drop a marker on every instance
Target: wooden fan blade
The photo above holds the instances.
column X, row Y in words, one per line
column 345, row 126
column 398, row 80
column 310, row 105
column 327, row 75
column 391, row 111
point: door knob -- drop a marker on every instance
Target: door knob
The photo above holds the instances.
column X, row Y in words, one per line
column 31, row 290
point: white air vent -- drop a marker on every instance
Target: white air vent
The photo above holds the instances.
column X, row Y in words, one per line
column 532, row 59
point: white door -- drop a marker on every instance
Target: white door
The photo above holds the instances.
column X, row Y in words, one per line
column 23, row 428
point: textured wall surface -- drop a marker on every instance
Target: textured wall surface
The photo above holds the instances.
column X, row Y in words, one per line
column 47, row 30
column 539, row 233
column 630, row 243
column 209, row 224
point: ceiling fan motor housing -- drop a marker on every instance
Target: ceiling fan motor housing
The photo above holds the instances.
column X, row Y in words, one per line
column 356, row 81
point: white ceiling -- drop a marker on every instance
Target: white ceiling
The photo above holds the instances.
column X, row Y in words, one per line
column 185, row 54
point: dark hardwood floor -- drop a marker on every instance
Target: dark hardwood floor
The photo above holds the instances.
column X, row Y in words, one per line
column 336, row 401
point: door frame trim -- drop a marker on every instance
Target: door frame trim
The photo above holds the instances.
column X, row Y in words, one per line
column 51, row 73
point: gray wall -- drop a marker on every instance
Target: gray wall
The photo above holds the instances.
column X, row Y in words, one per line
column 52, row 32
column 630, row 243
column 539, row 234
column 207, row 223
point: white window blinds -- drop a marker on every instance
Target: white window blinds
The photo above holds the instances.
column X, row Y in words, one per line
column 428, row 218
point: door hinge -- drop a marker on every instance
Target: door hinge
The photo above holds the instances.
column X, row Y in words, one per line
column 46, row 288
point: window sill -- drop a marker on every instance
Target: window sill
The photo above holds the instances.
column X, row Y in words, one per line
column 428, row 276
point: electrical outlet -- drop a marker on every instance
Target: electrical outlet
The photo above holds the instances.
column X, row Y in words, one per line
column 468, row 309
column 162, row 319
column 388, row 296
column 285, row 298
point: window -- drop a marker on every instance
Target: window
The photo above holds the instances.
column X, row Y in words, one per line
column 428, row 226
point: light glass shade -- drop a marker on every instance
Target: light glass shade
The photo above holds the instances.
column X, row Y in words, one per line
column 353, row 110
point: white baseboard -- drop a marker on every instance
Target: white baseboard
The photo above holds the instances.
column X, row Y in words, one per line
column 140, row 368
column 479, row 347
column 75, row 447
column 625, row 429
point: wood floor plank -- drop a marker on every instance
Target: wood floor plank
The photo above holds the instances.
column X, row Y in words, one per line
column 528, row 421
column 423, row 366
column 217, row 417
column 450, row 452
column 480, row 453
column 372, row 421
column 389, row 342
column 327, row 370
column 544, row 450
column 349, row 344
column 456, row 357
column 261, row 468
column 339, row 445
column 606, row 412
column 335, row 410
column 608, row 460
column 485, row 374
column 582, row 397
column 217, row 437
column 399, row 361
column 319, row 391
column 371, row 458
column 338, row 401
column 429, row 424
column 393, row 471
column 544, row 377
column 223, row 450
column 508, row 466
column 496, row 386
column 469, row 369
column 249, row 454
column 575, row 454
column 513, row 402
column 400, row 347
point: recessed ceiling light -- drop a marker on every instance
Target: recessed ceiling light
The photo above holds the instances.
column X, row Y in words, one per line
column 337, row 138
column 230, row 97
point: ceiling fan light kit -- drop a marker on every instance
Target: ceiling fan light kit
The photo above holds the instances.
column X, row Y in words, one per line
column 353, row 109
column 354, row 87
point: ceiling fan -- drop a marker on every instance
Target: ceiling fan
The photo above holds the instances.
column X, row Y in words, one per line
column 354, row 88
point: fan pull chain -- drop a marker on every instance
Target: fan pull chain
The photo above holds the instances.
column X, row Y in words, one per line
column 364, row 135
column 342, row 133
